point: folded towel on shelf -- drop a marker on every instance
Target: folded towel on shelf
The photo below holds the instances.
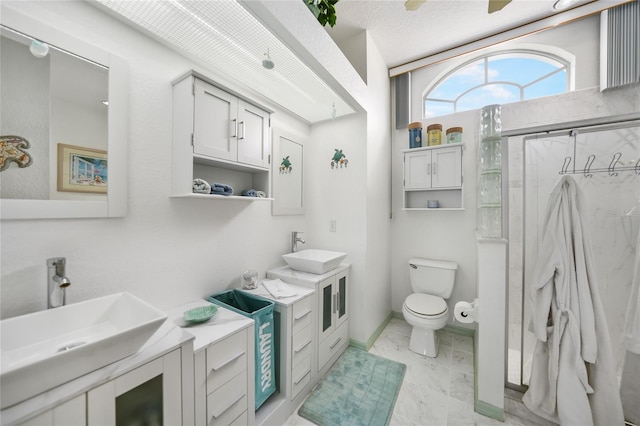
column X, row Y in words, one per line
column 221, row 189
column 261, row 194
column 278, row 289
column 201, row 186
column 249, row 193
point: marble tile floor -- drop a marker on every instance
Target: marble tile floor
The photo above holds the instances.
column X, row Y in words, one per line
column 435, row 391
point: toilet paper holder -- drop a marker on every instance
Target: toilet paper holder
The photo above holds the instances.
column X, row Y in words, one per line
column 466, row 312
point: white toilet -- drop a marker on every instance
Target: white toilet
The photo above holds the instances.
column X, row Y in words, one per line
column 425, row 309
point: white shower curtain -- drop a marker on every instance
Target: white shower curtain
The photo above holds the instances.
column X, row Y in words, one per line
column 573, row 379
column 630, row 383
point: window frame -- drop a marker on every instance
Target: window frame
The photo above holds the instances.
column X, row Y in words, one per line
column 548, row 54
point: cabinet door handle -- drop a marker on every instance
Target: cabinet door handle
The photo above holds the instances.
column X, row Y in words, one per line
column 435, row 168
column 338, row 302
column 242, row 127
column 429, row 168
column 234, row 128
column 335, row 303
column 302, row 347
column 335, row 343
column 306, row 373
column 227, row 362
column 302, row 315
column 221, row 412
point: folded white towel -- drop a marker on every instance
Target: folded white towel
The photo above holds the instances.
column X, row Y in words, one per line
column 278, row 288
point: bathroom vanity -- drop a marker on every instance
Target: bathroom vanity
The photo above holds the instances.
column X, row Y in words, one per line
column 294, row 318
column 158, row 371
column 331, row 335
column 223, row 366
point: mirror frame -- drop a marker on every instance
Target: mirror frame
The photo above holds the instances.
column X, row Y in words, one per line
column 276, row 208
column 115, row 204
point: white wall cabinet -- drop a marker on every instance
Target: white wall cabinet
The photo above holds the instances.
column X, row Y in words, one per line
column 149, row 394
column 228, row 127
column 433, row 173
column 218, row 136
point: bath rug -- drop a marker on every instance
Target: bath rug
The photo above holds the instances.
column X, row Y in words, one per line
column 360, row 389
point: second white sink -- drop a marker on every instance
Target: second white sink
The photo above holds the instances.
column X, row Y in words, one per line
column 314, row 261
column 45, row 349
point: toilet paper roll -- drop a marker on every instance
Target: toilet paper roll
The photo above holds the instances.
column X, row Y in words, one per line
column 466, row 312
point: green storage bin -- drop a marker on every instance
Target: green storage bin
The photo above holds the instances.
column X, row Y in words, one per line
column 260, row 310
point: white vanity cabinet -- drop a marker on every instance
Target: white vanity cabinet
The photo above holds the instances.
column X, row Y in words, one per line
column 433, row 173
column 218, row 136
column 331, row 318
column 150, row 393
column 295, row 325
column 151, row 384
column 333, row 314
column 223, row 367
column 73, row 412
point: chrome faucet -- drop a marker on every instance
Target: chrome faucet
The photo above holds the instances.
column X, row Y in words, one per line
column 57, row 282
column 295, row 239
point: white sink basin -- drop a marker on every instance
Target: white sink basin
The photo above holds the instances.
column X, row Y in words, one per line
column 48, row 348
column 314, row 261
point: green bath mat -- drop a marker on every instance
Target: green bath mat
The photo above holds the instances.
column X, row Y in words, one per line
column 360, row 389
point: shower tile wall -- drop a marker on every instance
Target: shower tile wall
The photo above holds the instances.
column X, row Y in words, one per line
column 613, row 215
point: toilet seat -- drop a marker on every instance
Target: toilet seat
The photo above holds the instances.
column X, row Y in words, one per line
column 426, row 305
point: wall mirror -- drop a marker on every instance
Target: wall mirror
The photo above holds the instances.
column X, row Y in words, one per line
column 63, row 121
column 287, row 174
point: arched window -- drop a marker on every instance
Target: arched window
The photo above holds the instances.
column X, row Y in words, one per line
column 497, row 78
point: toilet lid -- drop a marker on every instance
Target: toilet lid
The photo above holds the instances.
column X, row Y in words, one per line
column 425, row 304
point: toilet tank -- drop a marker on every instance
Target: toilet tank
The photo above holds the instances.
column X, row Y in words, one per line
column 434, row 277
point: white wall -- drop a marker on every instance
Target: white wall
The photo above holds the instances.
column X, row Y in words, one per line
column 451, row 235
column 167, row 251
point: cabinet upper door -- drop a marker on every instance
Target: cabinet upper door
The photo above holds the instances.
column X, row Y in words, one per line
column 417, row 170
column 342, row 311
column 446, row 168
column 215, row 124
column 253, row 135
column 326, row 307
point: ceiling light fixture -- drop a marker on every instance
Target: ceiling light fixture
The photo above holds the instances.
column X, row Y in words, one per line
column 413, row 4
column 267, row 62
column 39, row 49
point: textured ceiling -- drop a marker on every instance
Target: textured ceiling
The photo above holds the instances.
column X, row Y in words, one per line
column 402, row 36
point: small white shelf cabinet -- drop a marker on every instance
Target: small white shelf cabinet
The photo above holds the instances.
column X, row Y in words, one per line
column 220, row 137
column 433, row 173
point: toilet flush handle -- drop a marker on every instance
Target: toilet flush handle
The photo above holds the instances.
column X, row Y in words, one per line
column 413, row 266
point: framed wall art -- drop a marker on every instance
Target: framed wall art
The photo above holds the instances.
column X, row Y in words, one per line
column 82, row 169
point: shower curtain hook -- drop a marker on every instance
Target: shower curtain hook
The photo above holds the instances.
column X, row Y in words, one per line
column 637, row 167
column 587, row 167
column 612, row 165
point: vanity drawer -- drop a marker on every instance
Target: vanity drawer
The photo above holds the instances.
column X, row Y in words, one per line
column 300, row 376
column 225, row 359
column 301, row 314
column 332, row 344
column 301, row 345
column 242, row 420
column 226, row 403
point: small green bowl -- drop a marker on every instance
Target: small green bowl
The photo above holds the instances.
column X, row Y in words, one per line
column 200, row 314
